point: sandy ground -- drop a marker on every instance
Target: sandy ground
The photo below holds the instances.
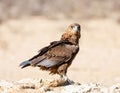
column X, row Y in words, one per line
column 97, row 61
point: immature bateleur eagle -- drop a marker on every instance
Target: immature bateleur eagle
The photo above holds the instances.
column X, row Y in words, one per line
column 58, row 56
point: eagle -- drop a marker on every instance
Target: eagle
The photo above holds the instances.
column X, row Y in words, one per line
column 58, row 56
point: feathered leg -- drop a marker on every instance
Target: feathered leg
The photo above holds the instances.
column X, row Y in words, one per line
column 62, row 70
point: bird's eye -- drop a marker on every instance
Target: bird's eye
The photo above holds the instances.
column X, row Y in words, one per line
column 71, row 26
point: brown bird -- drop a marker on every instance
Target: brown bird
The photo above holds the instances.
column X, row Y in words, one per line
column 58, row 56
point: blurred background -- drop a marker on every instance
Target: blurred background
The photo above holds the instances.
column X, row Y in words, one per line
column 28, row 25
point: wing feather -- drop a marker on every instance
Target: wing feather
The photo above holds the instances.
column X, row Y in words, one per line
column 57, row 53
column 47, row 63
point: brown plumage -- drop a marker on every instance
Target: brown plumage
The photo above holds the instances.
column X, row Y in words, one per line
column 58, row 56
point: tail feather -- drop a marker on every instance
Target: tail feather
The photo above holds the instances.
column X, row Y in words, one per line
column 25, row 64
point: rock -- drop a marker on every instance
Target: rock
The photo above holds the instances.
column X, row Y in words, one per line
column 44, row 86
column 115, row 88
column 84, row 88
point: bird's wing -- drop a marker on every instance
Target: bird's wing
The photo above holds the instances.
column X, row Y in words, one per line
column 45, row 49
column 56, row 53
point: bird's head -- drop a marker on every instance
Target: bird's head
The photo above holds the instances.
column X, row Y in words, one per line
column 72, row 33
column 75, row 27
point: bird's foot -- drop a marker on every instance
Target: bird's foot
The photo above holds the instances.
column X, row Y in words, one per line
column 67, row 81
column 70, row 81
column 63, row 81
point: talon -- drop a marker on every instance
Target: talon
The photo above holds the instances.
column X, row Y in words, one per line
column 67, row 80
column 70, row 81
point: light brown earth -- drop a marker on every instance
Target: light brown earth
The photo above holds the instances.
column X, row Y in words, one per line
column 98, row 60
